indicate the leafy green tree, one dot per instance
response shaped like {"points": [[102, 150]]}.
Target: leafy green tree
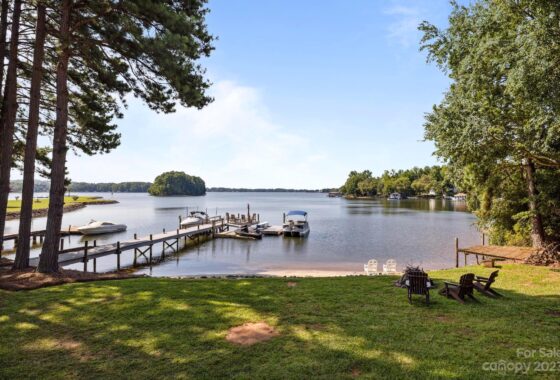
{"points": [[177, 183], [501, 113]]}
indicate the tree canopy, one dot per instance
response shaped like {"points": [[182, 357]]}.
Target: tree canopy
{"points": [[415, 181], [498, 125], [177, 183]]}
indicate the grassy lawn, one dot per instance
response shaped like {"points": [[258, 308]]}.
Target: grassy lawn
{"points": [[330, 328], [43, 203]]}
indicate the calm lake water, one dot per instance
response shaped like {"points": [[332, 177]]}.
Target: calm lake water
{"points": [[344, 233]]}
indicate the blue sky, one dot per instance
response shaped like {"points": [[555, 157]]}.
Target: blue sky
{"points": [[305, 91]]}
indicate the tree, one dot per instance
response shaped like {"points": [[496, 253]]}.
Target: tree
{"points": [[8, 118], [22, 255], [150, 49], [501, 113], [177, 183]]}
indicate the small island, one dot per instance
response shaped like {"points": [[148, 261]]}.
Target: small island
{"points": [[177, 183]]}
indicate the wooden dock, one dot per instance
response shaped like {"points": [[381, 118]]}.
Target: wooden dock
{"points": [[142, 246], [516, 254], [273, 231]]}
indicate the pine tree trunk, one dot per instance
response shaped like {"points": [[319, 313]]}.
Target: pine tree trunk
{"points": [[22, 254], [8, 119], [537, 229], [48, 260], [3, 29]]}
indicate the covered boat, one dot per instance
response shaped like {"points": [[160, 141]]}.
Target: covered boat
{"points": [[295, 224], [98, 228], [195, 218]]}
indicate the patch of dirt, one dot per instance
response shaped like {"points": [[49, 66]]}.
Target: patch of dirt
{"points": [[4, 262], [291, 284], [554, 313], [443, 318], [355, 372], [28, 279], [251, 333]]}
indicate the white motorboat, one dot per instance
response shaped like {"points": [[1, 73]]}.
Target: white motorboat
{"points": [[395, 197], [97, 228], [195, 218], [296, 224]]}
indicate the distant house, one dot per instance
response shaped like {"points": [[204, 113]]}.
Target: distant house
{"points": [[432, 193]]}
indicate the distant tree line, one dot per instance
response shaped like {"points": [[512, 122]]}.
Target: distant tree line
{"points": [[142, 187], [416, 181], [121, 187], [262, 190]]}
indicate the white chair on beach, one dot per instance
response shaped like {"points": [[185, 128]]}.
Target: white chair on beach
{"points": [[390, 267], [371, 267]]}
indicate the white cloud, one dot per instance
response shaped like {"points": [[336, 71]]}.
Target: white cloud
{"points": [[403, 28], [231, 142]]}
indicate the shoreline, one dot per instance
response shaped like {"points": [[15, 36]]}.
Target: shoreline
{"points": [[40, 213]]}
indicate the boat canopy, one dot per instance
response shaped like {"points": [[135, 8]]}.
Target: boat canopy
{"points": [[297, 212]]}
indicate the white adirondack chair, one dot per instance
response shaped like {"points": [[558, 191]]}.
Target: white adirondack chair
{"points": [[371, 267], [390, 267]]}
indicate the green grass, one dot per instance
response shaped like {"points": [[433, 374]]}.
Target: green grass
{"points": [[330, 328], [43, 203]]}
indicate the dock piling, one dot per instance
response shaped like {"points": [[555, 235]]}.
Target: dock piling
{"points": [[456, 252], [85, 256], [118, 256]]}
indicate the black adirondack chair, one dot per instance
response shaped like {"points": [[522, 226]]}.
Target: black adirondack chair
{"points": [[483, 285], [461, 290], [418, 283]]}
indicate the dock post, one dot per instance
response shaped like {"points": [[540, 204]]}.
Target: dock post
{"points": [[15, 242], [85, 256], [164, 230], [213, 228], [34, 239], [95, 243], [135, 236], [456, 252], [483, 238], [180, 220], [177, 241], [62, 244], [150, 249], [118, 256], [465, 259], [134, 261], [94, 265], [41, 238]]}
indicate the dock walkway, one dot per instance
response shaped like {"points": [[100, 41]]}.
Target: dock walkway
{"points": [[141, 245], [494, 251]]}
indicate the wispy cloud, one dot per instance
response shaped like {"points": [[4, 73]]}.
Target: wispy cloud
{"points": [[403, 27]]}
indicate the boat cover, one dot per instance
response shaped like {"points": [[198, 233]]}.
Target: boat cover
{"points": [[297, 212]]}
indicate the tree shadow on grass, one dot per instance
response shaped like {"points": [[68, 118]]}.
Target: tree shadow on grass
{"points": [[347, 327]]}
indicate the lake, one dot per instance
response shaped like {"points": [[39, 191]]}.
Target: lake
{"points": [[344, 233]]}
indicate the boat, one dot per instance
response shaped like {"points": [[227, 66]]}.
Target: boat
{"points": [[295, 224], [395, 197], [195, 218], [249, 232], [98, 228]]}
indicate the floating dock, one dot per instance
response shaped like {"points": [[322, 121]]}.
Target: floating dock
{"points": [[273, 231]]}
